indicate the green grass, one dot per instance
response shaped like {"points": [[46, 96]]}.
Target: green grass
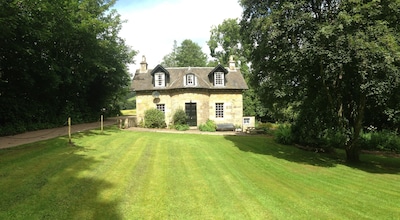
{"points": [[128, 112], [146, 175]]}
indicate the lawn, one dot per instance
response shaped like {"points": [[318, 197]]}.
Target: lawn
{"points": [[148, 175], [128, 112]]}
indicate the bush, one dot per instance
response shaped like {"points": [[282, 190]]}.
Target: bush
{"points": [[181, 127], [265, 127], [208, 126], [283, 134], [154, 118], [334, 139], [179, 117], [380, 140]]}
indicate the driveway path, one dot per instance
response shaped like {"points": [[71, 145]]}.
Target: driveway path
{"points": [[33, 136]]}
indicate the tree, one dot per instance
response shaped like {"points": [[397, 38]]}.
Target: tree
{"points": [[59, 59], [336, 58], [190, 54], [169, 60], [225, 41]]}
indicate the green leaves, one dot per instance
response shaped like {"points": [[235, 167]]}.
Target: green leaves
{"points": [[336, 57], [60, 55]]}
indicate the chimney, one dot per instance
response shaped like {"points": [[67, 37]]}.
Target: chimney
{"points": [[143, 65], [232, 66]]}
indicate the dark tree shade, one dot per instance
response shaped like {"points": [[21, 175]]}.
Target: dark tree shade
{"points": [[59, 59], [339, 59]]}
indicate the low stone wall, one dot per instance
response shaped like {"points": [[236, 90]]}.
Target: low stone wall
{"points": [[127, 122]]}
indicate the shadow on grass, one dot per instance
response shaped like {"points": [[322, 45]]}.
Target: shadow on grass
{"points": [[53, 180], [267, 146]]}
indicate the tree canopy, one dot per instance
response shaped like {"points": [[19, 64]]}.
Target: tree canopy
{"points": [[59, 59], [339, 60], [225, 41], [187, 54]]}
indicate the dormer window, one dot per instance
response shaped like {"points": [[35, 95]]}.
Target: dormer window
{"points": [[190, 80], [219, 79], [159, 79]]}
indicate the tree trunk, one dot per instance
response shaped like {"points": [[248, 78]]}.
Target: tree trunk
{"points": [[353, 149], [352, 153]]}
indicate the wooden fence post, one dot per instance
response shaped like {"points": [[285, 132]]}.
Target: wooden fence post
{"points": [[69, 130]]}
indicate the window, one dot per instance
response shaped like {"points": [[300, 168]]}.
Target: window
{"points": [[190, 80], [219, 110], [246, 121], [161, 107], [218, 79], [159, 79]]}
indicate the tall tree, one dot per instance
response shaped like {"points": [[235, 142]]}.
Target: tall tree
{"points": [[59, 59], [336, 57], [189, 54], [225, 41], [169, 60]]}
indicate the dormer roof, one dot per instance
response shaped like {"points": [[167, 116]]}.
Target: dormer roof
{"points": [[159, 68], [175, 78]]}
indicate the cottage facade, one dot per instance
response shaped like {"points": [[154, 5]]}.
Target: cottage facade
{"points": [[203, 92]]}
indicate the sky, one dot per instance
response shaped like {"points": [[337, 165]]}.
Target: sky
{"points": [[152, 25]]}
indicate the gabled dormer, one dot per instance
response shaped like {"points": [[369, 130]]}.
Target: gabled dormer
{"points": [[160, 76], [190, 80], [217, 76]]}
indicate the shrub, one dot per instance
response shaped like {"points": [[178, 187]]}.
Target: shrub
{"points": [[154, 118], [334, 138], [181, 127], [380, 140], [179, 117], [265, 127], [283, 134], [208, 126]]}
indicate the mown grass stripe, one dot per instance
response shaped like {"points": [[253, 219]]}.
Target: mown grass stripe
{"points": [[136, 175]]}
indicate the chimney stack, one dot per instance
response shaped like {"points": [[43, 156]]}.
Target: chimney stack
{"points": [[232, 64], [143, 65]]}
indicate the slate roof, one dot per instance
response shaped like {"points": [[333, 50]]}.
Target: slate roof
{"points": [[175, 78]]}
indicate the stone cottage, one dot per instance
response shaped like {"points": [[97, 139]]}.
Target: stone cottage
{"points": [[203, 92]]}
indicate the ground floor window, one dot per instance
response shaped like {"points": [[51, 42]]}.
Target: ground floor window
{"points": [[246, 121], [219, 110], [161, 107]]}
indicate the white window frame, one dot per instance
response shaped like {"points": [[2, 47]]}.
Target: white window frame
{"points": [[161, 107], [190, 80], [219, 79], [219, 110], [159, 79], [246, 121]]}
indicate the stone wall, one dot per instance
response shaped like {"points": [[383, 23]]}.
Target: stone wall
{"points": [[205, 102]]}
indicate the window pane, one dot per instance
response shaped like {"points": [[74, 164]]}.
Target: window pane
{"points": [[190, 80], [161, 107], [218, 79], [219, 110], [159, 79]]}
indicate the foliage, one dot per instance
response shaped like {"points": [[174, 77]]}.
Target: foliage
{"points": [[169, 60], [338, 59], [59, 59], [283, 134], [129, 101], [181, 127], [187, 54], [380, 140], [179, 117], [154, 118], [265, 127], [208, 126], [225, 41]]}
